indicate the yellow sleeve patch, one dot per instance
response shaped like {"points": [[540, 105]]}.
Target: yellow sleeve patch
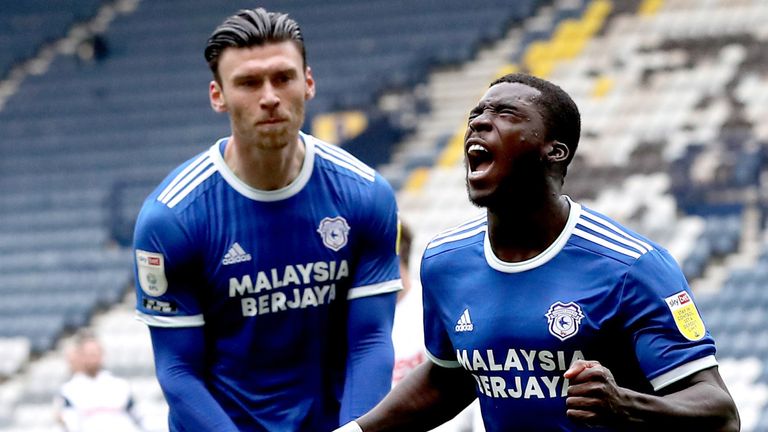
{"points": [[686, 316]]}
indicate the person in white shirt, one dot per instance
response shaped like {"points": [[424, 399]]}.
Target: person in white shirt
{"points": [[94, 400]]}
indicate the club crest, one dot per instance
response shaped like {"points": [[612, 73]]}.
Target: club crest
{"points": [[334, 232], [564, 319]]}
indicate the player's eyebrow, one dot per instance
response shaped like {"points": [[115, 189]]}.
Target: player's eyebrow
{"points": [[264, 73], [498, 105]]}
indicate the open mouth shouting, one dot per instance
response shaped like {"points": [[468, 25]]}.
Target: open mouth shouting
{"points": [[479, 158]]}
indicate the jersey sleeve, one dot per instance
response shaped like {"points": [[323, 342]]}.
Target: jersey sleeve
{"points": [[670, 339], [370, 357], [439, 348], [377, 270], [165, 269]]}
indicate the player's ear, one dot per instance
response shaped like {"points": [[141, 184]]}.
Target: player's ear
{"points": [[558, 152], [216, 95], [309, 87]]}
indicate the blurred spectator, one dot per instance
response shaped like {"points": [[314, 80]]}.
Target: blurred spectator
{"points": [[93, 400], [407, 332]]}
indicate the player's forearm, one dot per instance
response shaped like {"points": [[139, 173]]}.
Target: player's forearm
{"points": [[369, 379], [370, 357], [427, 398], [178, 363], [192, 402], [702, 407]]}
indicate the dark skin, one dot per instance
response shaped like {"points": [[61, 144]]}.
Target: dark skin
{"points": [[517, 174], [699, 402]]}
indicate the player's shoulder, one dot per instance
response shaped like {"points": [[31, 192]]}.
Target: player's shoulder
{"points": [[468, 233], [186, 182], [340, 162], [606, 237], [174, 195]]}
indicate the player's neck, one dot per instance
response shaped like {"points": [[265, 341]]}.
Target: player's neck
{"points": [[524, 232], [265, 168]]}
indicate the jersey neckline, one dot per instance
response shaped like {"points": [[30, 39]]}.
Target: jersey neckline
{"points": [[539, 260], [217, 155]]}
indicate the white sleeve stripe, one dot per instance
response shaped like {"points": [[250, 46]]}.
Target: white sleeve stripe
{"points": [[683, 371], [467, 225], [349, 427], [335, 151], [347, 165], [379, 288], [615, 228], [181, 176], [613, 236], [452, 364], [461, 236], [190, 177], [190, 187], [170, 321], [595, 239]]}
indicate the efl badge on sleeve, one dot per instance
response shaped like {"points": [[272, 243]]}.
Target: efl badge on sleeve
{"points": [[686, 316], [334, 232], [564, 319], [151, 267]]}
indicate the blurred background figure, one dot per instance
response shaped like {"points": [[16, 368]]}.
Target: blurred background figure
{"points": [[94, 400], [408, 333]]}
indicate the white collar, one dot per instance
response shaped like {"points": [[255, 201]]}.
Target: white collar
{"points": [[540, 259], [292, 189]]}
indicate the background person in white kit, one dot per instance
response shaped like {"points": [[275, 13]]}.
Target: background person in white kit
{"points": [[408, 336], [94, 400]]}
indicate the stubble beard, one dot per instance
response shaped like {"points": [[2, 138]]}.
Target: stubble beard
{"points": [[524, 185]]}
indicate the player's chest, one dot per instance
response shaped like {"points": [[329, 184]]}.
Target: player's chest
{"points": [[282, 244], [535, 310]]}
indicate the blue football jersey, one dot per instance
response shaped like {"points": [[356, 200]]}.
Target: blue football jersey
{"points": [[269, 275], [599, 292]]}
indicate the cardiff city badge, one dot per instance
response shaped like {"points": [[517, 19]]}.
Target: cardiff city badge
{"points": [[564, 319], [686, 316], [334, 232]]}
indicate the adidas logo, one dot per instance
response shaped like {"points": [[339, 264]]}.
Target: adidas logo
{"points": [[235, 255], [464, 323]]}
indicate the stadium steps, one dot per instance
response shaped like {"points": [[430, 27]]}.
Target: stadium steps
{"points": [[747, 255], [452, 92]]}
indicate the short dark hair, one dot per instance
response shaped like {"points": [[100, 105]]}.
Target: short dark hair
{"points": [[561, 115], [252, 27]]}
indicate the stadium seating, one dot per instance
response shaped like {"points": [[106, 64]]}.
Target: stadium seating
{"points": [[673, 97], [26, 26], [86, 138]]}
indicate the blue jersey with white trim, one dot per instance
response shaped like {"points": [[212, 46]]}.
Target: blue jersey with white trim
{"points": [[599, 292], [269, 275]]}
